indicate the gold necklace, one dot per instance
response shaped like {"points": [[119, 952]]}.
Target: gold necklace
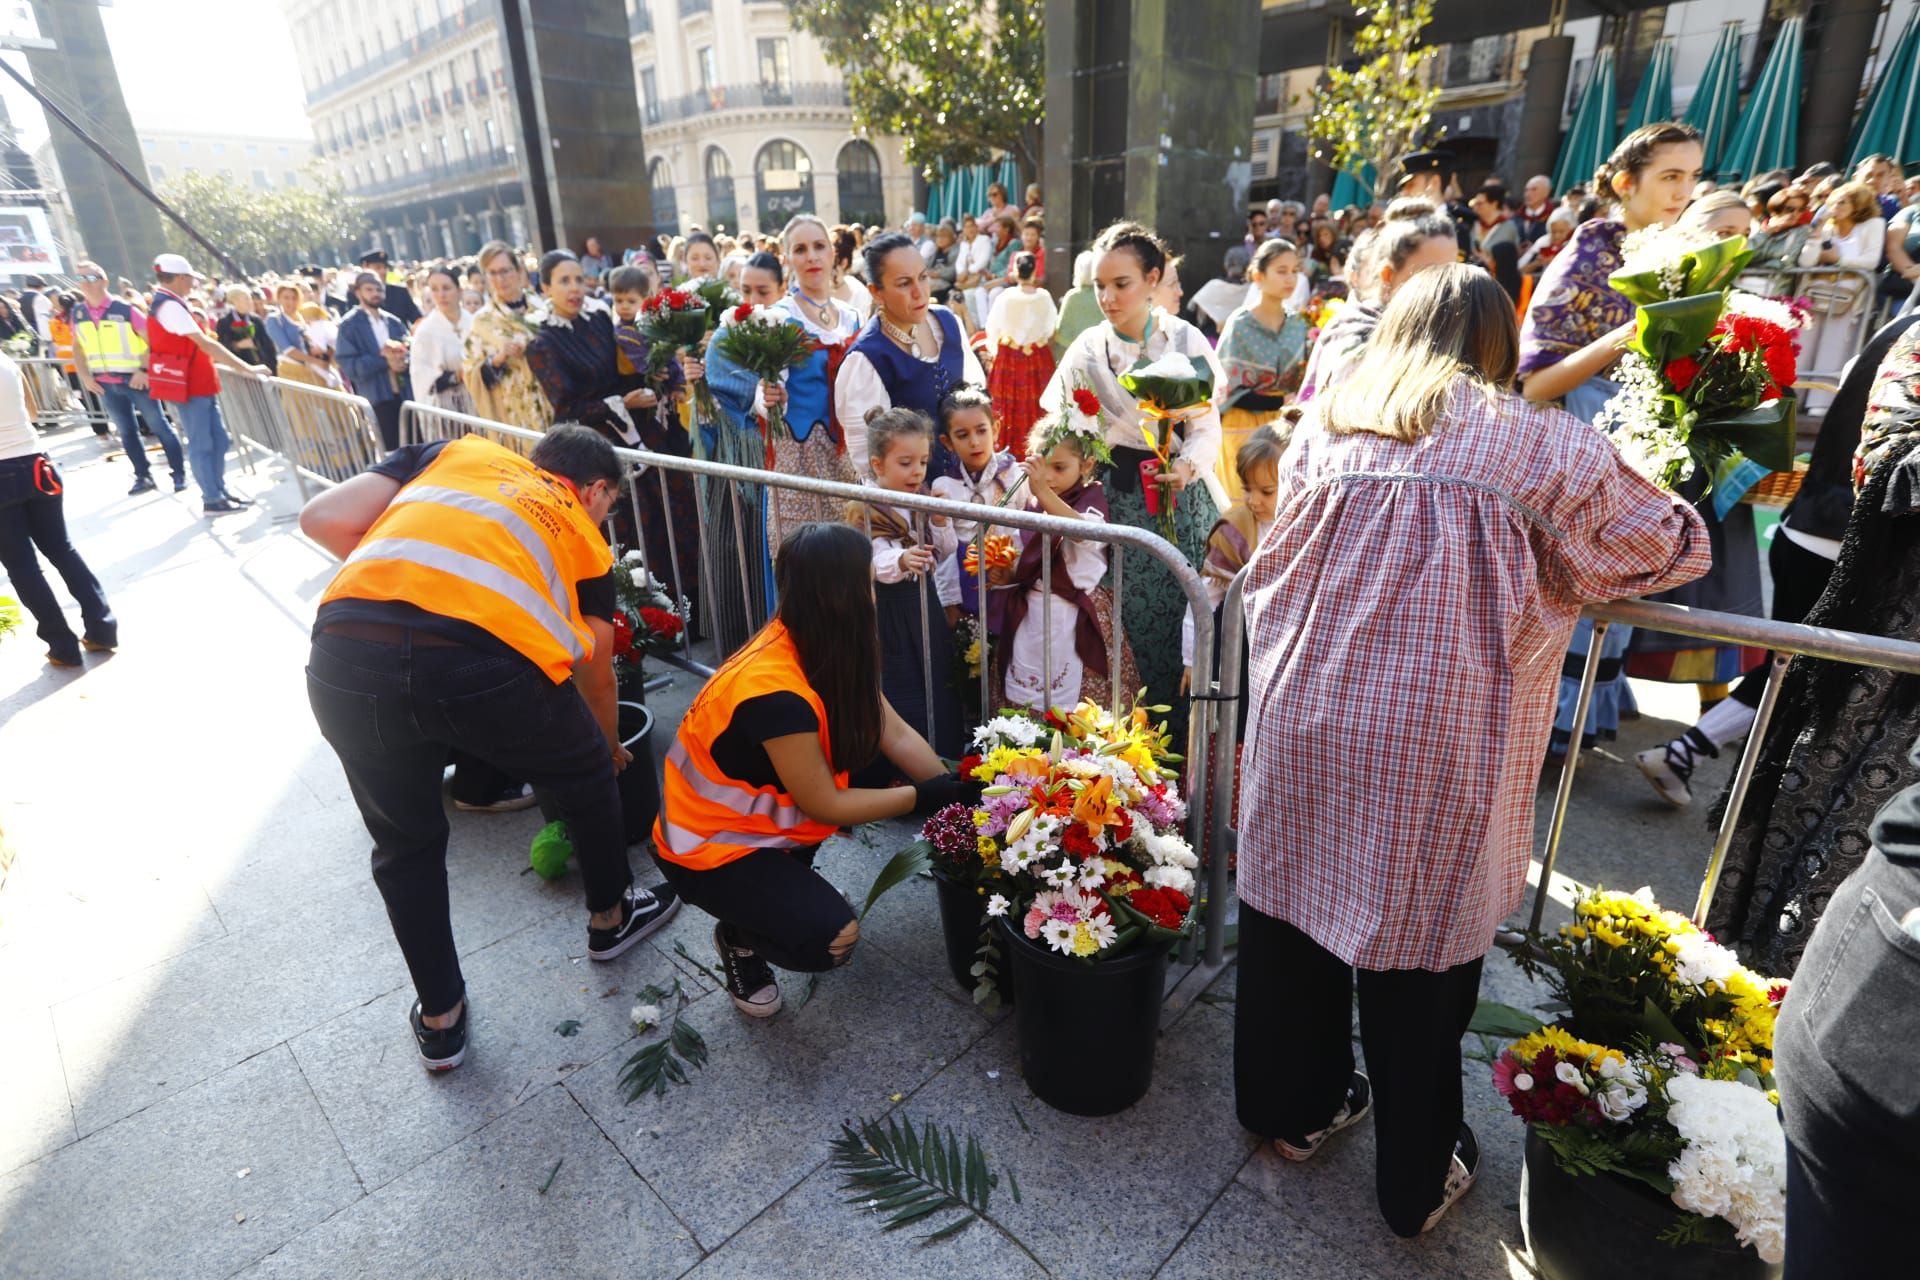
{"points": [[823, 313], [908, 338]]}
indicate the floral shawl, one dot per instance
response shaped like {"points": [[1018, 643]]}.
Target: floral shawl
{"points": [[1893, 408], [1259, 360], [1574, 304], [511, 393]]}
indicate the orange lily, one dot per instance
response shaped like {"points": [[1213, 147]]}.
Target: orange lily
{"points": [[1094, 806]]}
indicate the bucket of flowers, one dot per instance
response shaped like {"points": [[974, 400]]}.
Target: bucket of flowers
{"points": [[1075, 856], [1654, 1146], [1706, 384], [647, 620], [1168, 391]]}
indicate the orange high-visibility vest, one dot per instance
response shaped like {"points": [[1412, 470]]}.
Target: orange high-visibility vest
{"points": [[485, 536], [708, 819]]}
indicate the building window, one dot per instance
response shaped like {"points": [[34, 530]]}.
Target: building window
{"points": [[159, 172], [185, 147], [446, 152], [723, 210], [783, 182], [666, 206], [650, 94], [289, 180], [253, 151], [493, 136], [466, 143], [260, 179], [862, 198], [709, 69], [776, 70]]}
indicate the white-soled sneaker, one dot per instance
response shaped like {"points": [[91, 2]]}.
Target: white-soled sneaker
{"points": [[1461, 1172], [1670, 767], [646, 911], [749, 978], [1353, 1110]]}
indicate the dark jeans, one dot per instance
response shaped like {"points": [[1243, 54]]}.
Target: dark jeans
{"points": [[387, 414], [122, 402], [1799, 577], [773, 901], [40, 521], [393, 711], [1849, 1093], [1293, 1055]]}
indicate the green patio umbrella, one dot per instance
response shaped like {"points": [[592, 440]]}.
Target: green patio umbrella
{"points": [[1715, 109], [1891, 123], [1653, 100], [1769, 127], [1590, 139]]}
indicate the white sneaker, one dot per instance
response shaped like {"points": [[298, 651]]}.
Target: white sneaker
{"points": [[1461, 1173], [1353, 1110]]}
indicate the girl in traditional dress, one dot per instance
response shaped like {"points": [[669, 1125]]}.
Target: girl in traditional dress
{"points": [[495, 369], [1073, 625], [1133, 334], [1263, 348], [812, 445], [438, 349], [986, 475], [916, 616], [909, 356], [1413, 237], [1019, 328]]}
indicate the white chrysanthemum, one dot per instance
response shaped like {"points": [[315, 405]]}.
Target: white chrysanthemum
{"points": [[997, 905], [1058, 934], [1101, 927], [1174, 364], [1008, 731], [1059, 877], [1701, 960], [1093, 874], [1176, 878], [1660, 249], [645, 1015], [1740, 302], [1734, 1164], [1169, 850]]}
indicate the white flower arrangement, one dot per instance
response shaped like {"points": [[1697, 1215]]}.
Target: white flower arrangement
{"points": [[1735, 1162], [1659, 249], [1008, 731], [1700, 960], [1174, 364]]}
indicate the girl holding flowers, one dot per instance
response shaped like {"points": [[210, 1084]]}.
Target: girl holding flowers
{"points": [[1263, 348], [1128, 264]]}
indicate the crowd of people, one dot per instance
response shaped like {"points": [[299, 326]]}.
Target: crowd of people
{"points": [[1399, 450]]}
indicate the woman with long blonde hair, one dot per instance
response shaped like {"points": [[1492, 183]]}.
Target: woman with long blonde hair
{"points": [[1435, 537]]}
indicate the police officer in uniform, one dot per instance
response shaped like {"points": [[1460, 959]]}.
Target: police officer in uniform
{"points": [[1423, 175], [473, 611]]}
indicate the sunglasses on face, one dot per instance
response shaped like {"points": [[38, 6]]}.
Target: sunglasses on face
{"points": [[91, 279]]}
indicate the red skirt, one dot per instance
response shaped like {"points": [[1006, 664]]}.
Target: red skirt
{"points": [[1015, 383]]}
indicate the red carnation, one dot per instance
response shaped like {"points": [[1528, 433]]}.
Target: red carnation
{"points": [[661, 622], [742, 311], [968, 764], [1123, 830], [1165, 907], [622, 633], [1782, 367], [1682, 372], [1086, 401], [1077, 842]]}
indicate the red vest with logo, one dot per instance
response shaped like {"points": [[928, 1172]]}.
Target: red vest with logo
{"points": [[178, 370]]}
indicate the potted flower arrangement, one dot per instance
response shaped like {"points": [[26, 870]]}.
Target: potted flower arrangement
{"points": [[1075, 856], [1168, 391], [647, 620], [1706, 383], [1651, 1105]]}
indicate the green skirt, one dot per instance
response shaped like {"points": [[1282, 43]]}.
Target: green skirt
{"points": [[1151, 601]]}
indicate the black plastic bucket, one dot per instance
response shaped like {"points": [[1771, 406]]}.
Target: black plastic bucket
{"points": [[962, 912], [1087, 1031], [639, 787]]}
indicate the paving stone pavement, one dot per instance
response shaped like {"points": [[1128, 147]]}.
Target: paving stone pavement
{"points": [[207, 1069]]}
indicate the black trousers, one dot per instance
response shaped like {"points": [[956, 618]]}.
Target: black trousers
{"points": [[1849, 1094], [30, 519], [1293, 1055], [771, 900], [386, 413], [392, 711]]}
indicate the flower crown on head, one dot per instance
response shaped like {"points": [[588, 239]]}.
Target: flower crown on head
{"points": [[1080, 419]]}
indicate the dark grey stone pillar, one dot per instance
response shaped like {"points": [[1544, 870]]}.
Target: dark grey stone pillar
{"points": [[118, 227], [1835, 72], [1538, 144], [571, 63], [1149, 113]]}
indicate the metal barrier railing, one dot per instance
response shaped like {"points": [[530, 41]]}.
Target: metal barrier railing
{"points": [[53, 400], [324, 436], [1843, 296], [423, 422]]}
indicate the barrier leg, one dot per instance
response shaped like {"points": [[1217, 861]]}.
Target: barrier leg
{"points": [[1742, 779], [1563, 794]]}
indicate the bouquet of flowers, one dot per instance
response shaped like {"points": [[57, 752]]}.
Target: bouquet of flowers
{"points": [[1076, 837], [1705, 383], [1662, 1071], [766, 343], [1002, 552], [672, 321], [1168, 391], [646, 619]]}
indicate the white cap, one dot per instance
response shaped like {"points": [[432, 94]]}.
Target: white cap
{"points": [[172, 264]]}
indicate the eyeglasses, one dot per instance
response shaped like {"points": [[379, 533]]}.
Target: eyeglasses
{"points": [[91, 279]]}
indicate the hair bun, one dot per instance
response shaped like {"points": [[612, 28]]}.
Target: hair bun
{"points": [[873, 413]]}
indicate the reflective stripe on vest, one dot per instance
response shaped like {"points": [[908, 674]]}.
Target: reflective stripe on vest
{"points": [[485, 537], [708, 819], [110, 343]]}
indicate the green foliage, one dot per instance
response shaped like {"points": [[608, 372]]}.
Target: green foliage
{"points": [[1697, 1228], [1374, 109], [986, 970], [903, 866], [10, 615], [665, 1061], [550, 851], [1491, 1018], [958, 82], [261, 229], [911, 1177], [1640, 1154]]}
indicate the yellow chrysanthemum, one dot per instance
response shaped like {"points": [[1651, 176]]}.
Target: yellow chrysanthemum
{"points": [[989, 851], [981, 817], [1083, 941], [1565, 1046]]}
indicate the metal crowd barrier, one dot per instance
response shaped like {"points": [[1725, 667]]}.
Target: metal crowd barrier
{"points": [[740, 486], [1835, 296], [53, 401], [324, 436]]}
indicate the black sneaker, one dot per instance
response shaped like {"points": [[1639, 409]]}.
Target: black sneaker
{"points": [[236, 499], [646, 912], [749, 978], [142, 485], [220, 507], [441, 1050], [1353, 1109], [179, 484], [1461, 1171]]}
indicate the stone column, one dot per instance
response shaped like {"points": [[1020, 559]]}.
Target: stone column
{"points": [[1149, 117], [1548, 64], [1836, 72]]}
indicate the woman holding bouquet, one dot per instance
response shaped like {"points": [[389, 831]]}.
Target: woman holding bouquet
{"points": [[1574, 333], [811, 444], [495, 369], [1419, 497], [1128, 264]]}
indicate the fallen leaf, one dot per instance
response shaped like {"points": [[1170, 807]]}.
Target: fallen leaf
{"points": [[896, 1097], [571, 1027]]}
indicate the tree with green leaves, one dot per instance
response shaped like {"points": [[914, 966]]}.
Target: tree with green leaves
{"points": [[264, 229], [1375, 106], [959, 82]]}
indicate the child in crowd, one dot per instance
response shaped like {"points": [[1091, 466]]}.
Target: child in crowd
{"points": [[916, 626], [986, 474], [660, 429], [1020, 329], [1074, 628]]}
